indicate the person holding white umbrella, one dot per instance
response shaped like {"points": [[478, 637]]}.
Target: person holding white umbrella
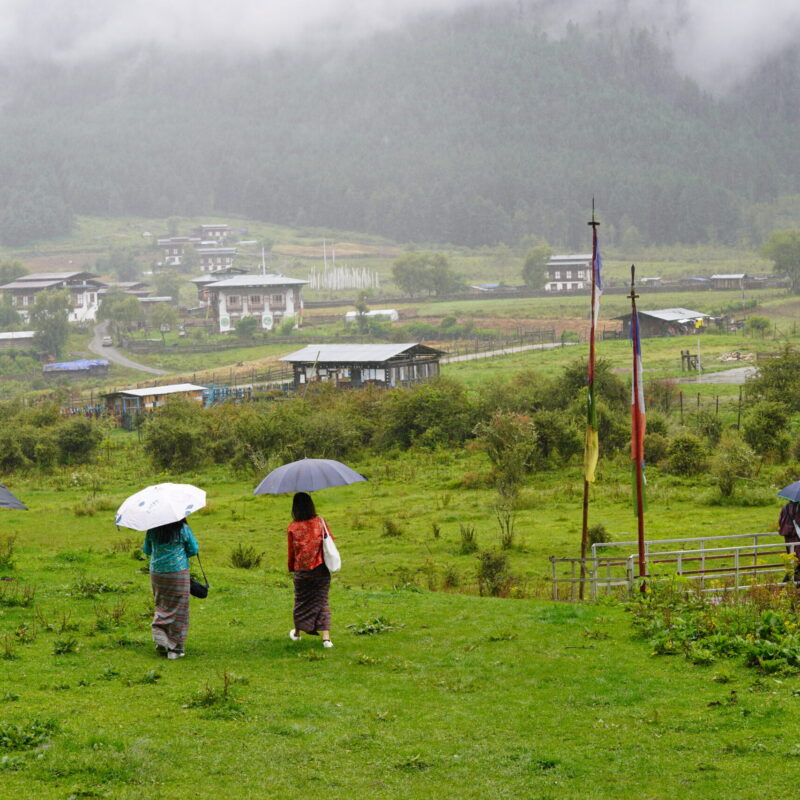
{"points": [[161, 510]]}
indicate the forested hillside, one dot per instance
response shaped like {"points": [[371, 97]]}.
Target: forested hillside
{"points": [[473, 130]]}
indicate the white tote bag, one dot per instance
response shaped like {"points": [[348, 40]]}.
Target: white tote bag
{"points": [[330, 553]]}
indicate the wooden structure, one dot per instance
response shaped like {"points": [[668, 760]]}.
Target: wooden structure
{"points": [[17, 340], [666, 322], [736, 280], [355, 365], [133, 402]]}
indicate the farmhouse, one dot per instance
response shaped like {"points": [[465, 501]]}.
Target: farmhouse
{"points": [[173, 249], [139, 401], [364, 364], [569, 273], [666, 322], [270, 298], [217, 232], [216, 259], [83, 287], [735, 280]]}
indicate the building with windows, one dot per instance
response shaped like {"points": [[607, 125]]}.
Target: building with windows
{"points": [[83, 287], [270, 298], [216, 259], [569, 273], [353, 365]]}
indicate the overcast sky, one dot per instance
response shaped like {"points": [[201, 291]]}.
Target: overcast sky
{"points": [[716, 41]]}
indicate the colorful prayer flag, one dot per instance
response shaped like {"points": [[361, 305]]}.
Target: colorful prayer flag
{"points": [[592, 445]]}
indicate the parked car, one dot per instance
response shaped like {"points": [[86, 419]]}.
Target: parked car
{"points": [[107, 341]]}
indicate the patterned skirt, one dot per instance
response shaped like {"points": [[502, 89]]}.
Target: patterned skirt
{"points": [[171, 617], [311, 610]]}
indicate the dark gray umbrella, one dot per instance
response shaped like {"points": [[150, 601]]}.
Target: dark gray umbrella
{"points": [[7, 500], [307, 475]]}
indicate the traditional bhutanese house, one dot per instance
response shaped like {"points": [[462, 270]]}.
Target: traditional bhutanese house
{"points": [[666, 322], [83, 367], [139, 401], [217, 232], [204, 280], [269, 298], [135, 288], [735, 280], [216, 259], [17, 340], [83, 287], [364, 364], [569, 273], [172, 249]]}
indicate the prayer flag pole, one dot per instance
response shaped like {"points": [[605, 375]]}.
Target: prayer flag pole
{"points": [[591, 447], [637, 423]]}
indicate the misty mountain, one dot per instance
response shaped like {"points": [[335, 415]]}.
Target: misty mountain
{"points": [[472, 129]]}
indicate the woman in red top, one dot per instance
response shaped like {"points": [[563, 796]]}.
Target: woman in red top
{"points": [[312, 579]]}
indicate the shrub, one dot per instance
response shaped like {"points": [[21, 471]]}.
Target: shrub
{"points": [[245, 557], [778, 379], [598, 534], [175, 437], [77, 440], [764, 428], [656, 447], [733, 460], [758, 325], [709, 425], [493, 575], [661, 394], [469, 544], [686, 455], [7, 551]]}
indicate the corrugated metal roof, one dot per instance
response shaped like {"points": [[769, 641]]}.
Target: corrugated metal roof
{"points": [[735, 276], [256, 280], [365, 353], [675, 314], [9, 335], [159, 390]]}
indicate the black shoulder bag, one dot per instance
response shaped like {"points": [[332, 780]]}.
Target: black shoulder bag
{"points": [[197, 589]]}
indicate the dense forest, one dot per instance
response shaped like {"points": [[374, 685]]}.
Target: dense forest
{"points": [[473, 129]]}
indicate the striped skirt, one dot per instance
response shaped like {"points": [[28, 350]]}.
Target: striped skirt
{"points": [[311, 610], [171, 617]]}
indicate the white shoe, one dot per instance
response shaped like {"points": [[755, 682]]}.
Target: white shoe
{"points": [[327, 643], [173, 654], [294, 635]]}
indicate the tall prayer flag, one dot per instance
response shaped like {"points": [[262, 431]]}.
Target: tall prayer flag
{"points": [[592, 445], [638, 418]]}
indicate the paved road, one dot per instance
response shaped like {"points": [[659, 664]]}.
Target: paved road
{"points": [[735, 375], [504, 352], [112, 354]]}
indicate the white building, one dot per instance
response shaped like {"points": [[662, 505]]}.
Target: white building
{"points": [[83, 287], [569, 273], [271, 298]]}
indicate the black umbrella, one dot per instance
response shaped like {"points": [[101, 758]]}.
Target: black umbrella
{"points": [[7, 500], [307, 475]]}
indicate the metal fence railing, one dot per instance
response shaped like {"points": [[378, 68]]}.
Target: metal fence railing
{"points": [[710, 564]]}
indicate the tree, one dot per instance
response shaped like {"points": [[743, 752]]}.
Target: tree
{"points": [[121, 261], [10, 320], [11, 268], [246, 327], [163, 317], [362, 308], [783, 249], [50, 320], [414, 273], [778, 379], [168, 285], [534, 270], [122, 310]]}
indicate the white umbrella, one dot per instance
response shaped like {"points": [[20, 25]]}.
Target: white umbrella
{"points": [[159, 505]]}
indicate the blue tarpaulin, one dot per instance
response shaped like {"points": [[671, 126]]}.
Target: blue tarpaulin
{"points": [[76, 366]]}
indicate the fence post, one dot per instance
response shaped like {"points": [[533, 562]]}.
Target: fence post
{"points": [[555, 577]]}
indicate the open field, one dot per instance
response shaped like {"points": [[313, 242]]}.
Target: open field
{"points": [[455, 696]]}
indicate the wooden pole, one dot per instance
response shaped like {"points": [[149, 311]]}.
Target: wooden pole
{"points": [[636, 434], [585, 520]]}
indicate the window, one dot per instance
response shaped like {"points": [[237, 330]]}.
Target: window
{"points": [[276, 300], [255, 300], [234, 300], [569, 275], [557, 275]]}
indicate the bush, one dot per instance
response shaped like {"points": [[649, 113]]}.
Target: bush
{"points": [[598, 534], [245, 557], [764, 428], [494, 578], [661, 394], [656, 448], [686, 455], [175, 437], [709, 425], [469, 544], [77, 440], [733, 460]]}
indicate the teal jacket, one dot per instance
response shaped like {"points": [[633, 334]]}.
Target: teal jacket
{"points": [[174, 555]]}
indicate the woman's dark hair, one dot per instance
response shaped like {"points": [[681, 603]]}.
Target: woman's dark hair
{"points": [[164, 534], [303, 507]]}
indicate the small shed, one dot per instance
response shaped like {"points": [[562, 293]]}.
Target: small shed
{"points": [[365, 364], [81, 368], [17, 340], [729, 281], [148, 398], [387, 314], [666, 322]]}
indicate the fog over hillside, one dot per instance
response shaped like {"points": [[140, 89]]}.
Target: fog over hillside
{"points": [[465, 121]]}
